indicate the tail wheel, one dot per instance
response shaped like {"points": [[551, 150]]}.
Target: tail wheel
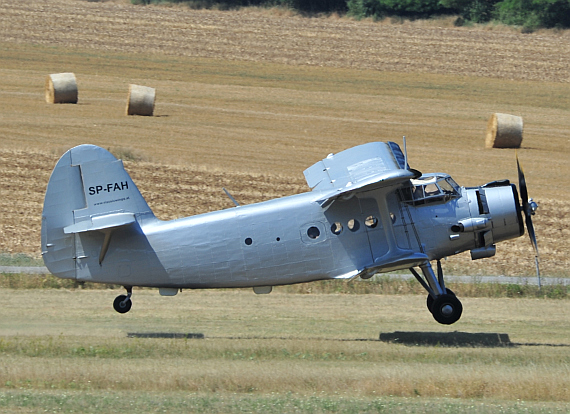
{"points": [[446, 309], [122, 304]]}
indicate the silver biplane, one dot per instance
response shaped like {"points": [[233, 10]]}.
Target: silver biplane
{"points": [[368, 212]]}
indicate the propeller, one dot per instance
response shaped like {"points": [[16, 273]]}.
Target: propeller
{"points": [[529, 208]]}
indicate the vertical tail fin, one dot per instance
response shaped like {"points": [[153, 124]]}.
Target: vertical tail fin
{"points": [[88, 191]]}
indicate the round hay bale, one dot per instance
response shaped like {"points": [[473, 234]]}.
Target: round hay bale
{"points": [[61, 88], [140, 100], [504, 131]]}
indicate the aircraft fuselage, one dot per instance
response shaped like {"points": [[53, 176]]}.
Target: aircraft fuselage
{"points": [[287, 240], [368, 212]]}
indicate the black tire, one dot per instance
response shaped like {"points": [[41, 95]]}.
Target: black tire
{"points": [[446, 309], [430, 299], [122, 304]]}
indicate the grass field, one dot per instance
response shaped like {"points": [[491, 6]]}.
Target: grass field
{"points": [[313, 353], [247, 100]]}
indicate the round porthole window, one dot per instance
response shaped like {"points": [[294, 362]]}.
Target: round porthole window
{"points": [[353, 225], [248, 241], [313, 232], [336, 228], [371, 222]]}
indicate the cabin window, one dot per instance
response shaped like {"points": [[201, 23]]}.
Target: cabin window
{"points": [[336, 228], [248, 241], [371, 222], [313, 232], [353, 225]]}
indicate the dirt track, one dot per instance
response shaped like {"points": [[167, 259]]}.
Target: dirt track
{"points": [[281, 38]]}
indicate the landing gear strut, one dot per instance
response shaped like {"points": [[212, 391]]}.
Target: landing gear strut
{"points": [[441, 302], [122, 303]]}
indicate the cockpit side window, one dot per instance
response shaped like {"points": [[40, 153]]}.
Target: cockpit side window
{"points": [[446, 187], [429, 189]]}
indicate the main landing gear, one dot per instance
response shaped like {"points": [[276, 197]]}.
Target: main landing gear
{"points": [[123, 303], [441, 302]]}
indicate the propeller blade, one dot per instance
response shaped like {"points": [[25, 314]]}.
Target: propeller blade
{"points": [[532, 235], [528, 212], [522, 187]]}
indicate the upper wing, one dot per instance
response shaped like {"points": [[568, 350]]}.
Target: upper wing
{"points": [[362, 168]]}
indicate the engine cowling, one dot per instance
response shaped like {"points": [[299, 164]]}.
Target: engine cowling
{"points": [[495, 216], [505, 211]]}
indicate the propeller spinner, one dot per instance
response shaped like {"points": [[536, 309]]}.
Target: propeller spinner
{"points": [[529, 208]]}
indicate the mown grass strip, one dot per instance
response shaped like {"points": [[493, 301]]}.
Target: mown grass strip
{"points": [[144, 402], [282, 349]]}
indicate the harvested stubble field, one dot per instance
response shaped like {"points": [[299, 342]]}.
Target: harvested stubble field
{"points": [[246, 100], [280, 37], [235, 110]]}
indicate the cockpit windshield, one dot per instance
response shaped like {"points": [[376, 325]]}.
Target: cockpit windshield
{"points": [[431, 188]]}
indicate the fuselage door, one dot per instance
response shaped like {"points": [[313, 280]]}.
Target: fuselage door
{"points": [[372, 224], [349, 238]]}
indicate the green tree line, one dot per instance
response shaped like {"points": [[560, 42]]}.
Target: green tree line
{"points": [[530, 14]]}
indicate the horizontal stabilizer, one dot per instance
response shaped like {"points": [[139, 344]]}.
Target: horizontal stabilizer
{"points": [[109, 221]]}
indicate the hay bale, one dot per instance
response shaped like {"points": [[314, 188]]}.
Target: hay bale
{"points": [[61, 88], [140, 100], [504, 131]]}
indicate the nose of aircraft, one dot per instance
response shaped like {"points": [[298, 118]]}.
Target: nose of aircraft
{"points": [[505, 211]]}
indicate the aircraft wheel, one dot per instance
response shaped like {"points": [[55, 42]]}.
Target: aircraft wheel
{"points": [[446, 309], [430, 299], [122, 304]]}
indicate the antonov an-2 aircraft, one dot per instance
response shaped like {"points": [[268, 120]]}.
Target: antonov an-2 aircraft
{"points": [[367, 213]]}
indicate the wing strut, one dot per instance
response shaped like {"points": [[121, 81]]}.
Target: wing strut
{"points": [[422, 282], [105, 224], [231, 197], [105, 245]]}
